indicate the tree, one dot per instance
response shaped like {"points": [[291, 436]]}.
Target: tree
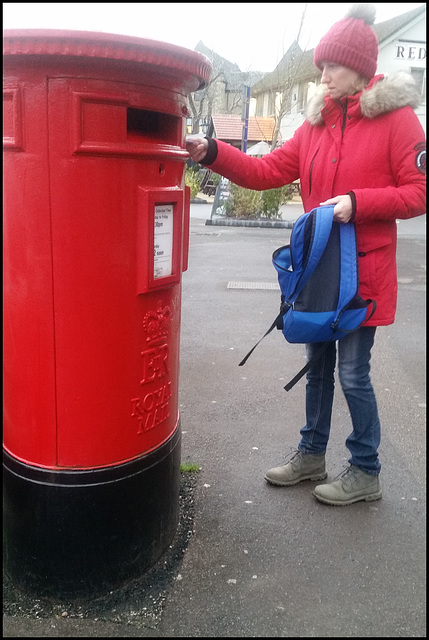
{"points": [[287, 86], [224, 92], [201, 104], [287, 77]]}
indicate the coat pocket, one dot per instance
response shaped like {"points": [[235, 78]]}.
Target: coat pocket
{"points": [[376, 267]]}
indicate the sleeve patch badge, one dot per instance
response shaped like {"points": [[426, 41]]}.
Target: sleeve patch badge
{"points": [[420, 159]]}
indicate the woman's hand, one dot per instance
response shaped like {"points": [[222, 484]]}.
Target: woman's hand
{"points": [[197, 147], [343, 207]]}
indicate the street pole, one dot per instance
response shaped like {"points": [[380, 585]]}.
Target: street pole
{"points": [[245, 118]]}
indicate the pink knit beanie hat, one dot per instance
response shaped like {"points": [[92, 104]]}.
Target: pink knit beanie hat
{"points": [[351, 42]]}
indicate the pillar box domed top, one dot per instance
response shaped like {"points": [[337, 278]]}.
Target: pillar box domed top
{"points": [[190, 69]]}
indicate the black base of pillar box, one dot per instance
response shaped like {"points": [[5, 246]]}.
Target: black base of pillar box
{"points": [[79, 534]]}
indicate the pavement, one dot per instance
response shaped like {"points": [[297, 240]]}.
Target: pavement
{"points": [[264, 561]]}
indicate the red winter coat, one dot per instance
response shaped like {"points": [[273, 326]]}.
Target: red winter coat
{"points": [[372, 144]]}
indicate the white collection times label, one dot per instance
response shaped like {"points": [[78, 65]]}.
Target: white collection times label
{"points": [[163, 244]]}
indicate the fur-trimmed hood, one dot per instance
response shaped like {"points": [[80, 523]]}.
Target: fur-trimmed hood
{"points": [[385, 93]]}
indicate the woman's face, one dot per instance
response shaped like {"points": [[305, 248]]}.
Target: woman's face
{"points": [[341, 81]]}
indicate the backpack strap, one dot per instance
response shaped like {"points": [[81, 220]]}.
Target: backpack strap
{"points": [[275, 324], [349, 259], [322, 225], [304, 370], [368, 302]]}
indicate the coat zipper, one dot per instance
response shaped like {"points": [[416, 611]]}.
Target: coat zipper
{"points": [[344, 116], [311, 172]]}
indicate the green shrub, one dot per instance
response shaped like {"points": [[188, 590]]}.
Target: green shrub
{"points": [[242, 203], [251, 205], [193, 181], [215, 178], [273, 199]]}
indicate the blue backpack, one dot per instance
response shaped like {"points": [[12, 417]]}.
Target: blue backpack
{"points": [[318, 278]]}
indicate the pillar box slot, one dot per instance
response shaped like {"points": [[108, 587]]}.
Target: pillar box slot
{"points": [[152, 126]]}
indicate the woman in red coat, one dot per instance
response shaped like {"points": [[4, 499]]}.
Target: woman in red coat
{"points": [[362, 149]]}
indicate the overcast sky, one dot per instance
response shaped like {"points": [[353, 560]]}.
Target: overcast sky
{"points": [[255, 36]]}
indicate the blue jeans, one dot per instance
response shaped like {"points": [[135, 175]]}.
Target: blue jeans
{"points": [[354, 354]]}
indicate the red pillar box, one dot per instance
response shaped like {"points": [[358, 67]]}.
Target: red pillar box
{"points": [[96, 224]]}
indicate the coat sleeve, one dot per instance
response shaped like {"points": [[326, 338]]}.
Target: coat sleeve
{"points": [[407, 197], [276, 169]]}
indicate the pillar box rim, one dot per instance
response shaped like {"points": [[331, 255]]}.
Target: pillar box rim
{"points": [[108, 46]]}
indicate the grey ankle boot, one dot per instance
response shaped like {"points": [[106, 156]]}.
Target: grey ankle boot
{"points": [[300, 466], [352, 485]]}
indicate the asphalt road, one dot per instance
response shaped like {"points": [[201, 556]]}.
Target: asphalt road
{"points": [[265, 561]]}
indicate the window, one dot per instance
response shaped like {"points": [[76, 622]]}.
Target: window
{"points": [[302, 95], [306, 90], [271, 104], [259, 110], [419, 76]]}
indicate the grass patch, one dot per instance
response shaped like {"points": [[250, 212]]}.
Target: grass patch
{"points": [[189, 467]]}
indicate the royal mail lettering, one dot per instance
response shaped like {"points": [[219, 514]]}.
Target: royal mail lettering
{"points": [[152, 409]]}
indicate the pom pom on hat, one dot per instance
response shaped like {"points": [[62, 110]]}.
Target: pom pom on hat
{"points": [[365, 12], [351, 42]]}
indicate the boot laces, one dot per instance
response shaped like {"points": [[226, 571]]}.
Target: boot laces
{"points": [[294, 456], [349, 475]]}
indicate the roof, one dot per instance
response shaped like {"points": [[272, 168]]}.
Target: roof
{"points": [[294, 64], [217, 60], [299, 64], [385, 30], [234, 78], [230, 127]]}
